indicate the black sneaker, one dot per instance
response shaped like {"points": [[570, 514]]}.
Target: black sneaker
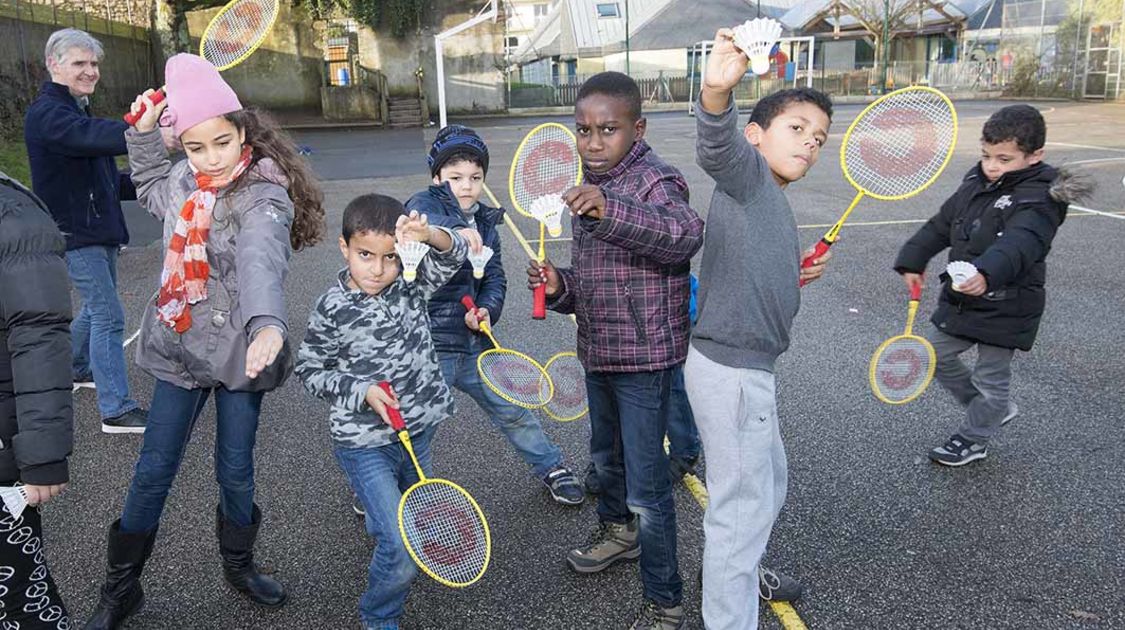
{"points": [[591, 482], [653, 616], [132, 421], [357, 506], [681, 466], [563, 486], [958, 451], [777, 587], [84, 380], [1013, 411], [609, 543]]}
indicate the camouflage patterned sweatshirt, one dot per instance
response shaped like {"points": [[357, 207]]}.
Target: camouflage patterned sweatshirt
{"points": [[355, 340]]}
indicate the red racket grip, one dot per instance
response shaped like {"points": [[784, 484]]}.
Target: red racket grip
{"points": [[468, 303], [155, 97], [539, 302], [397, 423], [916, 292], [820, 250]]}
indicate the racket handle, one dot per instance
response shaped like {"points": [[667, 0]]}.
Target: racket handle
{"points": [[397, 423], [156, 97], [468, 303], [916, 292], [539, 302], [820, 250]]}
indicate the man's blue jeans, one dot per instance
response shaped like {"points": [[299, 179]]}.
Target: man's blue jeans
{"points": [[629, 417], [170, 423], [519, 425], [97, 331], [379, 476]]}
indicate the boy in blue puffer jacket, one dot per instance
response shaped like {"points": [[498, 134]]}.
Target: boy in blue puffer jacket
{"points": [[458, 163]]}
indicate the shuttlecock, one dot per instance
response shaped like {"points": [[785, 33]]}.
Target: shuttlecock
{"points": [[756, 38], [479, 260], [15, 499], [959, 272], [549, 210], [411, 254]]}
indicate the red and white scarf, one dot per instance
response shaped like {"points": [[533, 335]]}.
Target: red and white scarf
{"points": [[183, 281]]}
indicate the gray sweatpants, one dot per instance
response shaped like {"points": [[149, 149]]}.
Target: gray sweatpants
{"points": [[982, 391], [736, 412]]}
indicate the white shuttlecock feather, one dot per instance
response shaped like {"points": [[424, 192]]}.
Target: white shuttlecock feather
{"points": [[411, 254], [960, 271], [479, 260], [549, 210], [15, 499], [756, 38]]}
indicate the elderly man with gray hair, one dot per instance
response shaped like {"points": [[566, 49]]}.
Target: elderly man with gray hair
{"points": [[73, 171]]}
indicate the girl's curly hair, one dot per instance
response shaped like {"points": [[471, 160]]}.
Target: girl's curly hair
{"points": [[268, 140]]}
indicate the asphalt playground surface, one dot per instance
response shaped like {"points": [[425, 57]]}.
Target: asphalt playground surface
{"points": [[1030, 537]]}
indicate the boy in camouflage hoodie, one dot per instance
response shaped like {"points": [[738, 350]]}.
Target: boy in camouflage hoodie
{"points": [[370, 327]]}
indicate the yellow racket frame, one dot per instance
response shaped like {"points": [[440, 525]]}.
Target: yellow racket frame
{"points": [[872, 377], [404, 437], [253, 47], [834, 233], [542, 254], [498, 349], [546, 406]]}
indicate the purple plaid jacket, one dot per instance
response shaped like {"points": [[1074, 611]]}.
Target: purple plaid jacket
{"points": [[628, 284]]}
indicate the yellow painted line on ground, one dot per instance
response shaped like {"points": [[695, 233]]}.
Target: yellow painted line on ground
{"points": [[788, 617]]}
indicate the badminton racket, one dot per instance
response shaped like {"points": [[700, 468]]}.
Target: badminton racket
{"points": [[546, 165], [894, 149], [903, 366], [569, 380], [514, 376], [442, 526], [235, 32]]}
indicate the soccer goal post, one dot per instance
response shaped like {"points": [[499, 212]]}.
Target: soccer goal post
{"points": [[488, 12]]}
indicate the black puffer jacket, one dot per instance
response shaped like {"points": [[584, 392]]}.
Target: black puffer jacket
{"points": [[1005, 229], [36, 418]]}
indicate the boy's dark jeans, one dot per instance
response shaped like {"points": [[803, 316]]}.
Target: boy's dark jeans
{"points": [[629, 417]]}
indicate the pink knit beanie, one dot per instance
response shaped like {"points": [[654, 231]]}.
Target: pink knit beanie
{"points": [[196, 93]]}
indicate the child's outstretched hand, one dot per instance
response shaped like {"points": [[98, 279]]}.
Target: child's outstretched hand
{"points": [[726, 64], [151, 117], [816, 270], [543, 273], [379, 400], [263, 350], [975, 286], [474, 318], [586, 200], [472, 237], [415, 227]]}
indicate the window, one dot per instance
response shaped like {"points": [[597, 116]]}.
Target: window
{"points": [[512, 43], [542, 9], [608, 10]]}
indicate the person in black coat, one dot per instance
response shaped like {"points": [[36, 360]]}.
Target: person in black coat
{"points": [[1001, 221], [36, 421], [74, 172], [458, 161]]}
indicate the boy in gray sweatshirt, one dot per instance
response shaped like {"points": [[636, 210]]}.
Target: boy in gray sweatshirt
{"points": [[748, 297]]}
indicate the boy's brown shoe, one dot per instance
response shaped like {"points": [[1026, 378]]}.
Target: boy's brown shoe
{"points": [[609, 543]]}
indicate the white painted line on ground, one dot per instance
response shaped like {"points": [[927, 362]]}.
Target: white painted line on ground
{"points": [[1085, 146], [1116, 159], [1100, 213]]}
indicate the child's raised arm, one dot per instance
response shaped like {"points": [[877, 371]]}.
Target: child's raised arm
{"points": [[447, 253], [148, 159], [720, 148]]}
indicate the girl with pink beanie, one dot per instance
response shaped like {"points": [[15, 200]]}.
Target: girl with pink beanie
{"points": [[233, 214]]}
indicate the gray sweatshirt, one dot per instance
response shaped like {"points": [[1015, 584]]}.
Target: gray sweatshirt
{"points": [[748, 293]]}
